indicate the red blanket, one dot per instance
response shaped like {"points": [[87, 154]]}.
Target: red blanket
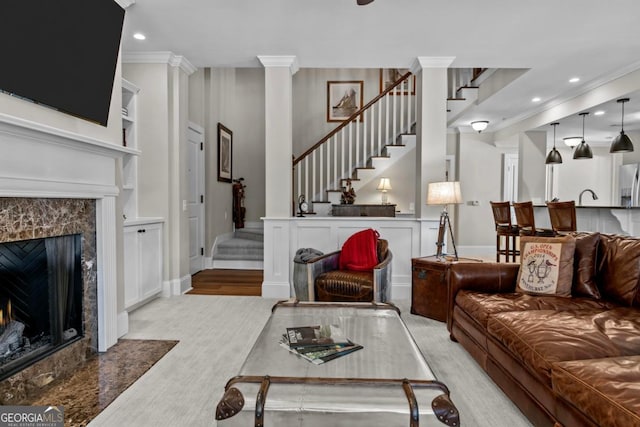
{"points": [[359, 252]]}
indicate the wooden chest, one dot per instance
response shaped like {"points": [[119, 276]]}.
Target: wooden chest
{"points": [[430, 286]]}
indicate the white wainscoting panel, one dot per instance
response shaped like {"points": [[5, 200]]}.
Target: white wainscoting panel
{"points": [[408, 238]]}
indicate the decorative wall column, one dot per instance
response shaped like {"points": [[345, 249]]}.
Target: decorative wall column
{"points": [[431, 132], [107, 272], [278, 76]]}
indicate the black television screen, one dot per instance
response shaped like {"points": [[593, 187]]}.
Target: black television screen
{"points": [[61, 53]]}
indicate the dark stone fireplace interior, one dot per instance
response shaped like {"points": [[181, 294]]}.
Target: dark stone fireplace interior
{"points": [[40, 299], [24, 219]]}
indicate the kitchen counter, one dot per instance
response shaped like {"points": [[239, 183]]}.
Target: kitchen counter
{"points": [[605, 219]]}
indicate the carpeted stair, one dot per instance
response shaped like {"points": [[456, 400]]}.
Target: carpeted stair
{"points": [[242, 249]]}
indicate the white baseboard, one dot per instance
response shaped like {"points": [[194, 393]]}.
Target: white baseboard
{"points": [[237, 264], [122, 324], [176, 287], [184, 286], [208, 263], [400, 291], [276, 290]]}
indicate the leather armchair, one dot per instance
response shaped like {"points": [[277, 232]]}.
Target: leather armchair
{"points": [[327, 283]]}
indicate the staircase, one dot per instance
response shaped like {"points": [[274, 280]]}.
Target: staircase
{"points": [[353, 150], [243, 249], [362, 147]]}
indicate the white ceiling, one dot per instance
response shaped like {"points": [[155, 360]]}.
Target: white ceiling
{"points": [[555, 39]]}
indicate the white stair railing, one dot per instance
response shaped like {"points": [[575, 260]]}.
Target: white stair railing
{"points": [[355, 141]]}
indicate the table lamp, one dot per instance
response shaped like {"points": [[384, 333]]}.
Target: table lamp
{"points": [[384, 186], [444, 193]]}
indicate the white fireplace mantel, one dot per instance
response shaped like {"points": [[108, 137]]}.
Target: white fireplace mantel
{"points": [[43, 161]]}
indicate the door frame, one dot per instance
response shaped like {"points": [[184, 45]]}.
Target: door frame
{"points": [[200, 183]]}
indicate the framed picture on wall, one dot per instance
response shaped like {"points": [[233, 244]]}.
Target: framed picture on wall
{"points": [[225, 153], [343, 99], [388, 76]]}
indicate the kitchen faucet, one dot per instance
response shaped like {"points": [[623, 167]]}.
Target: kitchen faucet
{"points": [[593, 195]]}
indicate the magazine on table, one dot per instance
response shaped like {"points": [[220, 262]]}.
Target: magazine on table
{"points": [[316, 335], [318, 354]]}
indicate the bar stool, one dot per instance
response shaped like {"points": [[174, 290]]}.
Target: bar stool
{"points": [[562, 215], [504, 228], [527, 223]]}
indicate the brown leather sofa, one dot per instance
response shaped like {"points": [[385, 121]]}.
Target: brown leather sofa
{"points": [[568, 361]]}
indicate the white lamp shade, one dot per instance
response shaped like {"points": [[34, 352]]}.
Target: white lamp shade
{"points": [[444, 193], [385, 184]]}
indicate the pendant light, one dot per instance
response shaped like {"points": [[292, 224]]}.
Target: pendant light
{"points": [[622, 143], [583, 151], [554, 157]]}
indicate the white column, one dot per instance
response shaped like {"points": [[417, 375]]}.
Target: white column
{"points": [[431, 134], [278, 76], [106, 257]]}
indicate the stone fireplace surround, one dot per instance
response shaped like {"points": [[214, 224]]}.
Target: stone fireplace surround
{"points": [[55, 182]]}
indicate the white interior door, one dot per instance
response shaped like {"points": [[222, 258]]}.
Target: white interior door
{"points": [[195, 201]]}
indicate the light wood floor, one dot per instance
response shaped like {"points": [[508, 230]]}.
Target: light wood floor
{"points": [[227, 282]]}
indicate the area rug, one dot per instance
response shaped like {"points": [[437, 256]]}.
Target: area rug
{"points": [[101, 379]]}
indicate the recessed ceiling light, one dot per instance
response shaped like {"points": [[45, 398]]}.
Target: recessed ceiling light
{"points": [[574, 80], [139, 36], [536, 99], [598, 113]]}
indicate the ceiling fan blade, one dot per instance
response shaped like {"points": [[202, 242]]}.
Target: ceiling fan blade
{"points": [[363, 2]]}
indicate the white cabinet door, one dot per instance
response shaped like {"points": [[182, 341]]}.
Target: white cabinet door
{"points": [[150, 258], [131, 288], [142, 262]]}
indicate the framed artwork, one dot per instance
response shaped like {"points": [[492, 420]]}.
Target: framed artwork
{"points": [[388, 76], [225, 153], [343, 99]]}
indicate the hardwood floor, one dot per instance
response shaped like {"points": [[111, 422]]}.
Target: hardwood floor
{"points": [[227, 282]]}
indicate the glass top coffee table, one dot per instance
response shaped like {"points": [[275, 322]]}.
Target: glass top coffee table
{"points": [[386, 383]]}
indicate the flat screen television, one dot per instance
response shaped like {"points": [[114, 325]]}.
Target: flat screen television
{"points": [[61, 53]]}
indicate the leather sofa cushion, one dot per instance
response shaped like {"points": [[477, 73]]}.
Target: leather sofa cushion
{"points": [[542, 337], [606, 390], [619, 269], [584, 265], [622, 326], [344, 285], [480, 305]]}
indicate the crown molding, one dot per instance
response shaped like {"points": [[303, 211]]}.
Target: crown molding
{"points": [[125, 3], [290, 61], [422, 62], [164, 57], [183, 63]]}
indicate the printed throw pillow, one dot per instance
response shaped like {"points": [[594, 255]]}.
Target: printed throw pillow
{"points": [[546, 265]]}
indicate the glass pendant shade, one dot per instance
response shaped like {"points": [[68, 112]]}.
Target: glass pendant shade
{"points": [[583, 151], [554, 157], [621, 143]]}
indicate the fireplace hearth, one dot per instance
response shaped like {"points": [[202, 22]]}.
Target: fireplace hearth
{"points": [[40, 299]]}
